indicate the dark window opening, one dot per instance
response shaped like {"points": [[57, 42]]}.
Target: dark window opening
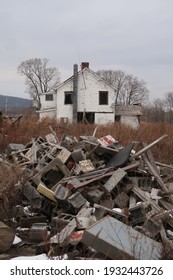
{"points": [[49, 97], [86, 117], [103, 97], [68, 97], [117, 118]]}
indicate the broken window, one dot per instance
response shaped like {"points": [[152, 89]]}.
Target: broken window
{"points": [[68, 97], [103, 97], [49, 97]]}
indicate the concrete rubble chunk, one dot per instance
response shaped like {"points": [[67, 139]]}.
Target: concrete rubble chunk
{"points": [[109, 200], [78, 155], [67, 231], [13, 147], [28, 221], [86, 166], [32, 194], [112, 182], [122, 200], [38, 232], [61, 193], [58, 223], [151, 227], [76, 201]]}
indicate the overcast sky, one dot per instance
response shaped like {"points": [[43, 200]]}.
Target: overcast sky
{"points": [[130, 35]]}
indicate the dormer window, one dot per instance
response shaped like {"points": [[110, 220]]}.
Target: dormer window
{"points": [[49, 97]]}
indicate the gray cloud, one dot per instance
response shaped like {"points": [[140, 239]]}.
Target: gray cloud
{"points": [[134, 36]]}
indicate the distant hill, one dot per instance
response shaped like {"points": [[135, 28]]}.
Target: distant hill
{"points": [[14, 104]]}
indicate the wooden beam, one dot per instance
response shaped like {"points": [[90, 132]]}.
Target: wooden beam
{"points": [[150, 145]]}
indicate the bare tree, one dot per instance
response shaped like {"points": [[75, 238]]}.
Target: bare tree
{"points": [[169, 105], [158, 110], [129, 88], [39, 78]]}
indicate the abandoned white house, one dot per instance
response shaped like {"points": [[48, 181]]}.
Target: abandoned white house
{"points": [[85, 96]]}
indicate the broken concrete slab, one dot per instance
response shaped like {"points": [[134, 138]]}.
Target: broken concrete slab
{"points": [[122, 200], [116, 240], [15, 147], [116, 177], [76, 201], [62, 193]]}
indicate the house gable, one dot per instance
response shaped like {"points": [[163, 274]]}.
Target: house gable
{"points": [[95, 98]]}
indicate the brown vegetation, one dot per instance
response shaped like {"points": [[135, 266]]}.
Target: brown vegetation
{"points": [[27, 128]]}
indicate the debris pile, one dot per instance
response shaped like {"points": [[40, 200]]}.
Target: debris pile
{"points": [[93, 198]]}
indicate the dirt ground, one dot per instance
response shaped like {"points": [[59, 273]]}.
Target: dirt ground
{"points": [[25, 250]]}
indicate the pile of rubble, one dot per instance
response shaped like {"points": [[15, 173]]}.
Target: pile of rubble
{"points": [[92, 198]]}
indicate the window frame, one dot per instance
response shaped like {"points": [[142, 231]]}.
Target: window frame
{"points": [[48, 97], [106, 98], [68, 97]]}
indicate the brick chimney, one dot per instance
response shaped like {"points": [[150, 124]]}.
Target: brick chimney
{"points": [[84, 65]]}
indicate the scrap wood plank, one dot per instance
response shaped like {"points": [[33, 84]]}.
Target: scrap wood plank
{"points": [[165, 204], [150, 145], [154, 173], [150, 158], [164, 165], [157, 177], [87, 176], [128, 167], [103, 148], [118, 215], [163, 214], [144, 197], [54, 133]]}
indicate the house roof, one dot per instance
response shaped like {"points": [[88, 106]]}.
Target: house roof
{"points": [[80, 73]]}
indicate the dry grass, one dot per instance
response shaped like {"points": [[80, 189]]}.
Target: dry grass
{"points": [[10, 189], [28, 128]]}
